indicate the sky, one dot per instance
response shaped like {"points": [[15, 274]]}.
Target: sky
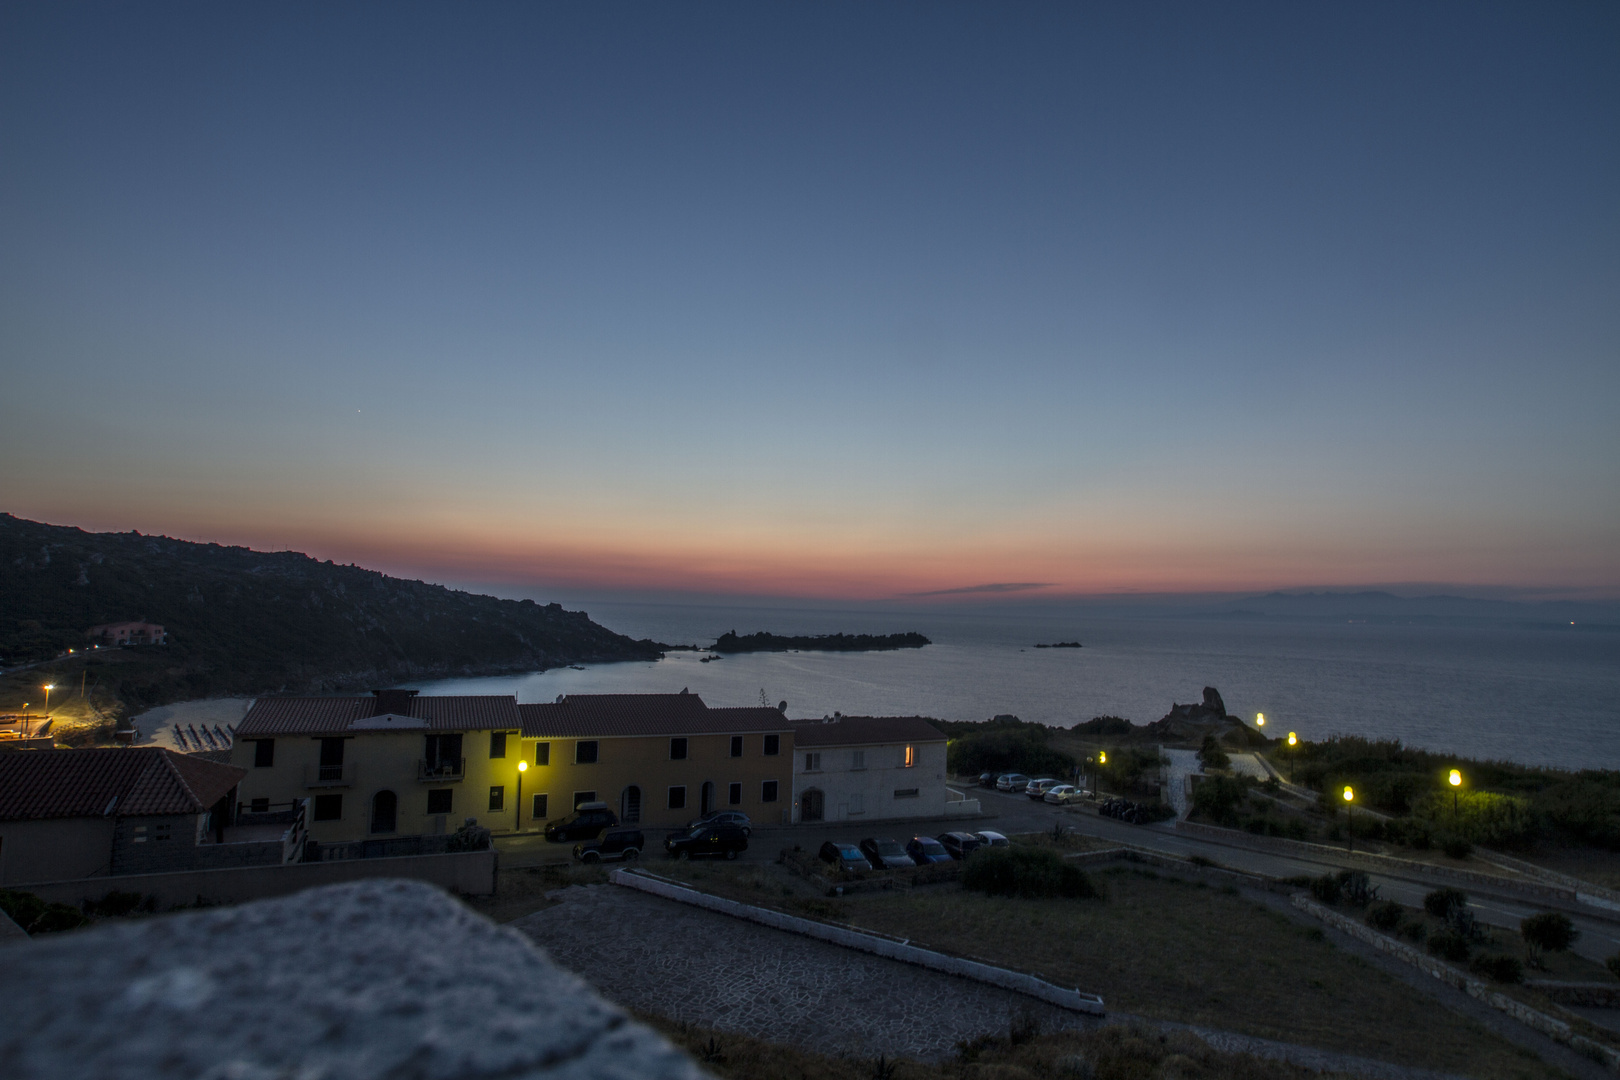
{"points": [[824, 300]]}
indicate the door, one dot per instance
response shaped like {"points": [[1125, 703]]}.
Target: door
{"points": [[812, 806], [707, 801], [383, 811], [630, 805]]}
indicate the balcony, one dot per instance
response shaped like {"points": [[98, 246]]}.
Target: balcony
{"points": [[329, 776], [441, 771]]}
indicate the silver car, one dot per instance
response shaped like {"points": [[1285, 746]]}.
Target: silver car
{"points": [[1064, 794], [1037, 789], [1013, 781]]}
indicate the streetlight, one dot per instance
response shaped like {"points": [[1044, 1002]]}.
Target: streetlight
{"points": [[517, 812], [1456, 782], [1349, 829], [48, 688], [1293, 742], [1259, 719]]}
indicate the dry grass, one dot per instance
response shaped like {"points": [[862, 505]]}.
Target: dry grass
{"points": [[1117, 1052]]}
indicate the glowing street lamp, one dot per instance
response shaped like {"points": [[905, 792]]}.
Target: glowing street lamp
{"points": [[1456, 782], [48, 688], [1259, 719], [517, 811], [1293, 752], [1349, 829]]}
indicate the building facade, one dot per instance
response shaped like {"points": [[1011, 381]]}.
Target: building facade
{"points": [[874, 768], [128, 633]]}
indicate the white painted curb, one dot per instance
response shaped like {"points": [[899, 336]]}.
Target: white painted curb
{"points": [[1074, 1000]]}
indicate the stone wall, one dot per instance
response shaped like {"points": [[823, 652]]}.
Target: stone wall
{"points": [[365, 982]]}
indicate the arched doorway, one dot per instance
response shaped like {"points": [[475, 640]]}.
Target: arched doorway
{"points": [[384, 809], [812, 805], [630, 805], [707, 801]]}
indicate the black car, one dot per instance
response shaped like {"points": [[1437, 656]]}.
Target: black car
{"points": [[959, 844], [887, 854], [623, 844], [724, 817], [585, 823], [724, 840]]}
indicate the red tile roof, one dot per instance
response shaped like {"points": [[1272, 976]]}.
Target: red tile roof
{"points": [[333, 715], [138, 781], [627, 715], [865, 730]]}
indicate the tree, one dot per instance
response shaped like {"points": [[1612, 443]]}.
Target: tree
{"points": [[1550, 931], [1212, 755]]}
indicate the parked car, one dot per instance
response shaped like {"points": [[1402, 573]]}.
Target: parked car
{"points": [[959, 845], [993, 839], [925, 849], [885, 854], [725, 817], [623, 844], [724, 840], [585, 823], [844, 856], [1064, 794], [1013, 781], [1037, 789]]}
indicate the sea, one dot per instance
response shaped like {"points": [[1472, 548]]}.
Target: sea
{"points": [[1535, 694]]}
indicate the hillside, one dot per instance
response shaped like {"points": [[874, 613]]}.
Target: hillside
{"points": [[247, 622]]}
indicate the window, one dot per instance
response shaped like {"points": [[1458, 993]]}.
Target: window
{"points": [[906, 793], [677, 798], [542, 753], [677, 749], [585, 752], [497, 798], [767, 791], [583, 797], [630, 806], [736, 746], [812, 762], [439, 801], [734, 795], [443, 755], [140, 835], [331, 760], [911, 757], [264, 753], [773, 745], [497, 744], [259, 806], [857, 760], [539, 808], [328, 808], [384, 810]]}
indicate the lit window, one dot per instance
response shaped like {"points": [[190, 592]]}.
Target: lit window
{"points": [[911, 756]]}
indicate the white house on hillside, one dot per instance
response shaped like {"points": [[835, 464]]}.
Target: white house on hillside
{"points": [[868, 767]]}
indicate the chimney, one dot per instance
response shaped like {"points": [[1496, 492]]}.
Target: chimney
{"points": [[394, 701]]}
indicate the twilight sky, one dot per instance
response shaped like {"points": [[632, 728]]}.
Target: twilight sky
{"points": [[819, 300]]}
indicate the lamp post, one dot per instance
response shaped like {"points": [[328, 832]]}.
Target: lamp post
{"points": [[48, 688], [1259, 719], [1456, 782], [1293, 742], [1349, 829], [517, 811]]}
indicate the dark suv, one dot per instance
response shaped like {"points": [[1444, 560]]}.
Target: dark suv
{"points": [[623, 844], [724, 840], [585, 823], [724, 817]]}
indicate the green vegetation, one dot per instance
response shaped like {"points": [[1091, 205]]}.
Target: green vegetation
{"points": [[1547, 932], [249, 622], [1211, 754], [1030, 872], [732, 642], [1003, 744], [36, 916]]}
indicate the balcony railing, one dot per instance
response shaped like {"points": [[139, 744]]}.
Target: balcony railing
{"points": [[329, 776], [441, 771]]}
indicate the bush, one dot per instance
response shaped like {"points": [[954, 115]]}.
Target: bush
{"points": [[1022, 748], [1415, 932], [1212, 755], [1356, 888], [1026, 872], [116, 903], [1325, 889], [1384, 916], [1409, 832], [35, 916], [1502, 969], [1442, 902], [1456, 847], [1550, 931], [1448, 945], [1481, 817], [1220, 798]]}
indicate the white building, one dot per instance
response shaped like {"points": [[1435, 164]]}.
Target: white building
{"points": [[868, 768]]}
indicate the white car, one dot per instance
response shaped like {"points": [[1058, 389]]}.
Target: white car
{"points": [[1064, 794], [993, 839], [1013, 781]]}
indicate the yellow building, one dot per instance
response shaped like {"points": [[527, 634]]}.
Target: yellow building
{"points": [[398, 764]]}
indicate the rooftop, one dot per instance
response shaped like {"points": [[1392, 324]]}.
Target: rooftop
{"points": [[383, 711], [865, 730], [624, 715], [126, 782]]}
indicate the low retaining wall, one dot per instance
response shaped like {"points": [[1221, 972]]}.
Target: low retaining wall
{"points": [[469, 872], [1587, 891], [1385, 863], [859, 940], [1552, 1027], [1591, 995]]}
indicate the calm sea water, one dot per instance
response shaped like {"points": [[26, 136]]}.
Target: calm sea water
{"points": [[1540, 696]]}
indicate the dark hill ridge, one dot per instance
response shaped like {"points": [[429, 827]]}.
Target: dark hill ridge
{"points": [[732, 642], [244, 621]]}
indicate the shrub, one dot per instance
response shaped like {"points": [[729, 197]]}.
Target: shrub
{"points": [[1449, 945], [1009, 748], [1384, 916], [1415, 932], [35, 916], [1220, 798], [1409, 832], [1325, 889], [1212, 755], [1456, 847], [1356, 888], [1550, 931], [1481, 817], [1442, 902], [1027, 872], [1503, 969], [118, 903]]}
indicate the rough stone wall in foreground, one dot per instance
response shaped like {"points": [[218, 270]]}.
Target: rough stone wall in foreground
{"points": [[351, 982]]}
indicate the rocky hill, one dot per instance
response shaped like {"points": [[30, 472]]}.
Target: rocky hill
{"points": [[247, 622]]}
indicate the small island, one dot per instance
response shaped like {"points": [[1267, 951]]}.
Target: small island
{"points": [[1062, 645], [732, 642]]}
